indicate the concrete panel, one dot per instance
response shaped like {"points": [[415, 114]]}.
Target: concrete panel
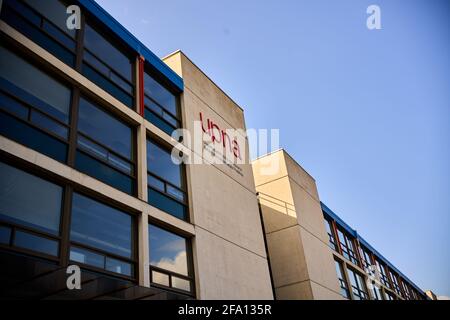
{"points": [[300, 176], [322, 293], [225, 208], [296, 291], [309, 211], [286, 256], [319, 260], [227, 271]]}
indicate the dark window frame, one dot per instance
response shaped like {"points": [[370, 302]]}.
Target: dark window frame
{"points": [[115, 42], [343, 283], [362, 293], [79, 46], [348, 252], [69, 188], [158, 142], [190, 263], [332, 243], [98, 103], [13, 5], [77, 92], [177, 117], [133, 261], [383, 273]]}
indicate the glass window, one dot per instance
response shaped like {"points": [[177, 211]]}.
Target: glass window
{"points": [[383, 274], [165, 181], [168, 259], [160, 94], [33, 242], [331, 237], [104, 128], [105, 147], [358, 285], [44, 22], [52, 96], [160, 163], [107, 66], [366, 257], [395, 282], [160, 105], [347, 246], [28, 200], [55, 11], [343, 284], [102, 227], [34, 107]]}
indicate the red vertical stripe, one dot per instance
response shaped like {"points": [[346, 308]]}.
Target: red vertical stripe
{"points": [[141, 85]]}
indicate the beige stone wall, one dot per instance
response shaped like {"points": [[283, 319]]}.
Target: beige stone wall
{"points": [[301, 262], [230, 260]]}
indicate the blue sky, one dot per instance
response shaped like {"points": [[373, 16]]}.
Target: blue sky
{"points": [[365, 112]]}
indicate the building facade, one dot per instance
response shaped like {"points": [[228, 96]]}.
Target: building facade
{"points": [[313, 254], [91, 176], [87, 177]]}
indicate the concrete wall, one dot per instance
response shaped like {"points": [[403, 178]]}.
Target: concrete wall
{"points": [[230, 255], [302, 264]]}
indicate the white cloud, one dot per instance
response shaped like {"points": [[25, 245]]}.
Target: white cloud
{"points": [[443, 298]]}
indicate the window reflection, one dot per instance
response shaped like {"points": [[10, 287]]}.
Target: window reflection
{"points": [[105, 147], [342, 282], [54, 97], [100, 226], [166, 189], [169, 259], [358, 285], [167, 250], [28, 200]]}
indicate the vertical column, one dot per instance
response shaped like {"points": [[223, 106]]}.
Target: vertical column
{"points": [[144, 272]]}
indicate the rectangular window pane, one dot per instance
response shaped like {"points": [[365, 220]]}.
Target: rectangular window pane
{"points": [[55, 11], [32, 242], [10, 104], [100, 226], [160, 278], [28, 200], [167, 250], [103, 49], [159, 162], [118, 266], [104, 128], [102, 172], [36, 83], [87, 257], [155, 183], [5, 235], [36, 26], [160, 94], [51, 125], [32, 137], [181, 284], [167, 204]]}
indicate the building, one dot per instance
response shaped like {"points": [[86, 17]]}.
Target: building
{"points": [[88, 178], [313, 254], [86, 117]]}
